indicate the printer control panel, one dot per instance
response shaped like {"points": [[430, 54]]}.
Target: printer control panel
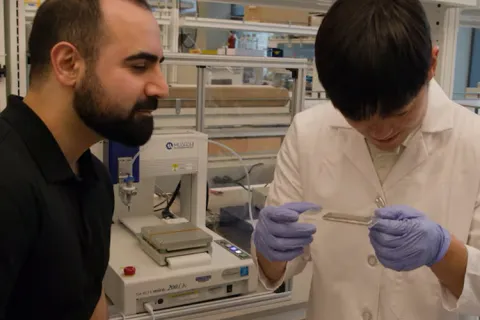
{"points": [[233, 249]]}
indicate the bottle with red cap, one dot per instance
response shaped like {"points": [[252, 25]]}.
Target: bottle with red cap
{"points": [[232, 40]]}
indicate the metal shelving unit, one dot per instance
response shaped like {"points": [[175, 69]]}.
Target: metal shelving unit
{"points": [[248, 26], [323, 5], [470, 18], [187, 59], [201, 62], [443, 15]]}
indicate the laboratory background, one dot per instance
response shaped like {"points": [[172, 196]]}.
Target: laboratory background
{"points": [[238, 71]]}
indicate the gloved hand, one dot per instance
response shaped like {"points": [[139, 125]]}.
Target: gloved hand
{"points": [[279, 236], [405, 239]]}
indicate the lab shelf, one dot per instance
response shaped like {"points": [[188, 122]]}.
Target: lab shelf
{"points": [[470, 18], [248, 26], [187, 59], [216, 162], [246, 132], [30, 12], [454, 3], [324, 5], [314, 5], [274, 42]]}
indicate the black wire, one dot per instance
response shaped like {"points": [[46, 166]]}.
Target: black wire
{"points": [[241, 185], [208, 196], [166, 210], [249, 171], [159, 204]]}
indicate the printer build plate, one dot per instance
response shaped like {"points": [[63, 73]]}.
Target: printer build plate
{"points": [[165, 241], [175, 237]]}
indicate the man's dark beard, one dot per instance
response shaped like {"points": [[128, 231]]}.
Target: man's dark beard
{"points": [[132, 130]]}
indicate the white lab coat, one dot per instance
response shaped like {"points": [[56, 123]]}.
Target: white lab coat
{"points": [[325, 161]]}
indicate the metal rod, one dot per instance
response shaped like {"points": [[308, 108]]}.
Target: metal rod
{"points": [[298, 93], [302, 81], [230, 99], [200, 124]]}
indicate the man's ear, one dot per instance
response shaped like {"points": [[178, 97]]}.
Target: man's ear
{"points": [[67, 63], [433, 66]]}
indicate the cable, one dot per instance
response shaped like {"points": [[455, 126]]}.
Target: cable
{"points": [[166, 211], [208, 197], [249, 171], [135, 158], [159, 204], [247, 175], [149, 309], [241, 185]]}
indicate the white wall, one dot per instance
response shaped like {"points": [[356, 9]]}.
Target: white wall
{"points": [[462, 61]]}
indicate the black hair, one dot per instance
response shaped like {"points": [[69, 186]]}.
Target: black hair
{"points": [[373, 56], [78, 22]]}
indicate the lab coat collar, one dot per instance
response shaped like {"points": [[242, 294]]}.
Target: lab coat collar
{"points": [[438, 119], [439, 116]]}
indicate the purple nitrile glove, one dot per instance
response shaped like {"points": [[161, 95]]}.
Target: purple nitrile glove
{"points": [[405, 239], [279, 236]]}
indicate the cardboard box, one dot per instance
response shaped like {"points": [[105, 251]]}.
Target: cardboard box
{"points": [[225, 96], [246, 146], [276, 15], [315, 20]]}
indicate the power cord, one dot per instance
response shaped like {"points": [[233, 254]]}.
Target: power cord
{"points": [[149, 309], [166, 213], [230, 180], [249, 171]]}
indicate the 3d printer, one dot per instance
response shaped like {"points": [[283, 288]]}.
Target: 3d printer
{"points": [[161, 262]]}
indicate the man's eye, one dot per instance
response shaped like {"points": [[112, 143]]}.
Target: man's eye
{"points": [[139, 68]]}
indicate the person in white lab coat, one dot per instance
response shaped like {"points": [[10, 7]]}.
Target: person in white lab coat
{"points": [[391, 146]]}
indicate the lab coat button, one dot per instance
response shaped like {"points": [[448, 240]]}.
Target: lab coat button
{"points": [[372, 260], [366, 315]]}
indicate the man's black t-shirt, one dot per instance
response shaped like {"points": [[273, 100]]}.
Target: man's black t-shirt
{"points": [[54, 225]]}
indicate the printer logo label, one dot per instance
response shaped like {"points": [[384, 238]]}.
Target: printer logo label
{"points": [[180, 145]]}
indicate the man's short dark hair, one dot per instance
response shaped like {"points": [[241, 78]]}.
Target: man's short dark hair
{"points": [[78, 22], [373, 56]]}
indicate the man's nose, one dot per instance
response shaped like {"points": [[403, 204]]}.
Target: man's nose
{"points": [[157, 87]]}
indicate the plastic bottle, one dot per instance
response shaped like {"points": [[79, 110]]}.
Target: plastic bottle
{"points": [[255, 42]]}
